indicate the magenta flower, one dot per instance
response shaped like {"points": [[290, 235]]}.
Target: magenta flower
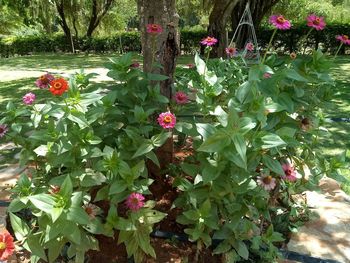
{"points": [[44, 81], [209, 41], [181, 97], [280, 22], [316, 22], [29, 98], [3, 130], [289, 171], [249, 46], [154, 29], [231, 51], [267, 75], [167, 120], [135, 201], [344, 39], [135, 65], [267, 182]]}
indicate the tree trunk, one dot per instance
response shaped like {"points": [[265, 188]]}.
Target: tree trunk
{"points": [[97, 16], [162, 48], [258, 8], [217, 24], [63, 23]]}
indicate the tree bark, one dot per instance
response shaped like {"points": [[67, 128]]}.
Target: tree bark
{"points": [[162, 49], [63, 23], [218, 18], [96, 15]]}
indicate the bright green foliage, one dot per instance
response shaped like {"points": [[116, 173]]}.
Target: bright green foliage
{"points": [[98, 146]]}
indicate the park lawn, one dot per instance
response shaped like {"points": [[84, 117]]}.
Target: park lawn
{"points": [[17, 76]]}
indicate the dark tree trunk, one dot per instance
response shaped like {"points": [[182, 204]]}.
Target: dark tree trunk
{"points": [[258, 8], [217, 24], [162, 48], [63, 23], [96, 15]]}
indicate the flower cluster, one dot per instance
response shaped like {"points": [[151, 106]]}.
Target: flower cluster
{"points": [[135, 201], [344, 39], [43, 81], [29, 98], [154, 29], [7, 246], [316, 22], [58, 86], [167, 120], [209, 41], [280, 22], [181, 97]]}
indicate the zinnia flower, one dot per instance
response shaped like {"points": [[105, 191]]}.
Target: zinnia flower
{"points": [[267, 75], [58, 86], [249, 46], [267, 182], [181, 97], [293, 55], [344, 39], [154, 29], [135, 201], [316, 22], [135, 65], [3, 130], [209, 41], [280, 22], [305, 124], [167, 120], [231, 51], [44, 81], [7, 247], [29, 98], [290, 173], [92, 210]]}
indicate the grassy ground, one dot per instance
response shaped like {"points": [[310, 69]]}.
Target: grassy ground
{"points": [[17, 76]]}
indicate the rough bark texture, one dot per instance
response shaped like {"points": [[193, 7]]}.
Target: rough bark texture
{"points": [[63, 22], [97, 15], [164, 47], [258, 8], [218, 19]]}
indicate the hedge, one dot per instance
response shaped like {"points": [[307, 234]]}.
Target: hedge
{"points": [[286, 41]]}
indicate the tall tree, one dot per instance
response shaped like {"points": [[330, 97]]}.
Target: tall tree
{"points": [[98, 10], [162, 48]]}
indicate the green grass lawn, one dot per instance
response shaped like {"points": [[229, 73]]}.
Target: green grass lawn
{"points": [[17, 76]]}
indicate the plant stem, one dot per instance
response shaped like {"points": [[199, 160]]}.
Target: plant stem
{"points": [[153, 51], [207, 59], [336, 53], [269, 45], [305, 38]]}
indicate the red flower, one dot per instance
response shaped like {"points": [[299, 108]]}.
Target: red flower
{"points": [[181, 97], [154, 29], [7, 247], [58, 86]]}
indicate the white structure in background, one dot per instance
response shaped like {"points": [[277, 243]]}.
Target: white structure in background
{"points": [[248, 49]]}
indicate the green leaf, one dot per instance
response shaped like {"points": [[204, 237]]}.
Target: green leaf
{"points": [[205, 130], [66, 188], [41, 150], [153, 157], [221, 115], [285, 100], [20, 228], [146, 147], [271, 141], [200, 64], [56, 213], [242, 250], [273, 165], [78, 215], [43, 202], [159, 139], [35, 247], [78, 118], [241, 147], [215, 142], [117, 187], [153, 216]]}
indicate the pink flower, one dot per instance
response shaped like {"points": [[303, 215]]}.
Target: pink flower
{"points": [[167, 120], [209, 41], [344, 39], [92, 210], [29, 98], [154, 29], [7, 246], [316, 22], [3, 130], [249, 46], [267, 75], [289, 171], [231, 51], [135, 201], [44, 81], [280, 22], [135, 65], [267, 182], [181, 97]]}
